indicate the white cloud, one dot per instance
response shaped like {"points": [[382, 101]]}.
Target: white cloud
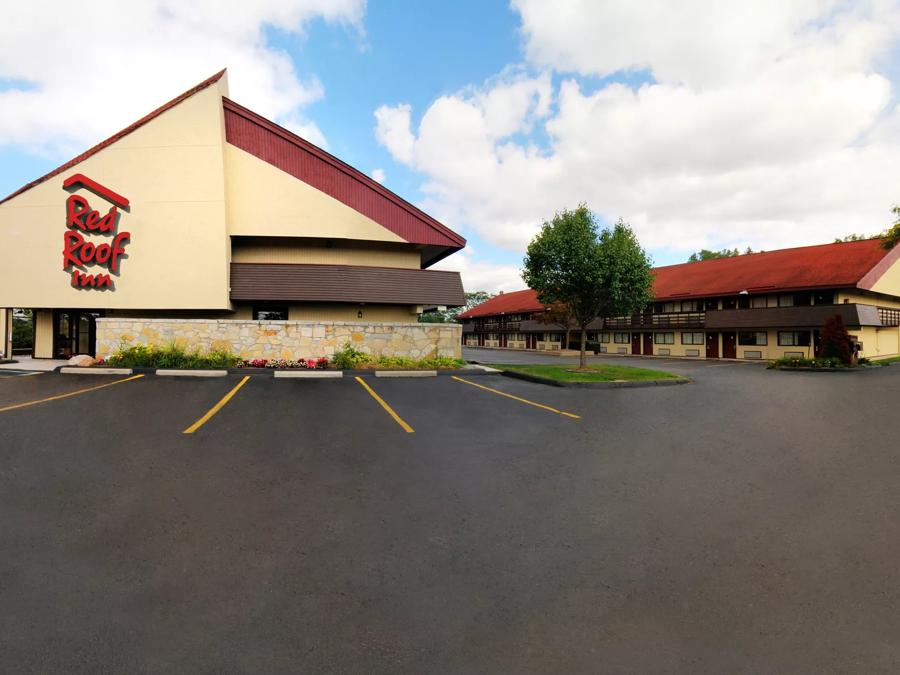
{"points": [[378, 175], [764, 124], [480, 274], [89, 69]]}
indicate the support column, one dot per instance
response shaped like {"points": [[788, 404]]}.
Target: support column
{"points": [[5, 333]]}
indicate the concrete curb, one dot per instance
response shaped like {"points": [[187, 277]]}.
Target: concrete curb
{"points": [[405, 373], [594, 385], [309, 374], [166, 372], [76, 370]]}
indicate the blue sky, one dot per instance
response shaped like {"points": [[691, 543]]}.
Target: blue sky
{"points": [[721, 124]]}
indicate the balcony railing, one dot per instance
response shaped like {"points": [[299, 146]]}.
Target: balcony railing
{"points": [[889, 316], [657, 321]]}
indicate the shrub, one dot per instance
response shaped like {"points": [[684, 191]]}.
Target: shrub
{"points": [[170, 356], [822, 362], [836, 340], [348, 357]]}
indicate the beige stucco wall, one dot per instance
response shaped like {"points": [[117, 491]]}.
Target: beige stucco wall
{"points": [[889, 283], [283, 339], [43, 334], [862, 298], [263, 200], [172, 171], [339, 252]]}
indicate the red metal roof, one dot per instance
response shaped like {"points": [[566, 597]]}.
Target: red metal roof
{"points": [[844, 265], [506, 303], [840, 265], [115, 137], [303, 160]]}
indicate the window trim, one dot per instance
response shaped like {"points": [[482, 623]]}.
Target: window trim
{"points": [[693, 335], [668, 338]]}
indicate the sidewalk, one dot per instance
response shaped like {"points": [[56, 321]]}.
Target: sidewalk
{"points": [[28, 363]]}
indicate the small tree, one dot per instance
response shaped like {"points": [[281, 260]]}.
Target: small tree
{"points": [[836, 340], [595, 274], [892, 235], [558, 314]]}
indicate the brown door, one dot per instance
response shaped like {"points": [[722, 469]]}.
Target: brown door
{"points": [[648, 344], [635, 343], [503, 339], [729, 345], [712, 345]]}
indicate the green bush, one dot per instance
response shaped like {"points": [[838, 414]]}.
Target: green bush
{"points": [[170, 356], [349, 357], [822, 362]]}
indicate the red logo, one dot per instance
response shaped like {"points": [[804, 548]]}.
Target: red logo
{"points": [[81, 218]]}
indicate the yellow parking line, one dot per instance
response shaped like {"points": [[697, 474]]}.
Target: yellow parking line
{"points": [[520, 400], [71, 393], [216, 408], [390, 411]]}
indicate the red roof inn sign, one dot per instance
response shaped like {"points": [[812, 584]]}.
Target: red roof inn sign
{"points": [[81, 219]]}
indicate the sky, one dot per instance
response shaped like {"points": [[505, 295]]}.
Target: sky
{"points": [[702, 123]]}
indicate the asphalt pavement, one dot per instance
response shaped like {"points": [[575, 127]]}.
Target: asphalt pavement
{"points": [[744, 523]]}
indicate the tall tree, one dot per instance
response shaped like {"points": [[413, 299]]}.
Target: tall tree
{"points": [[836, 339], [594, 273]]}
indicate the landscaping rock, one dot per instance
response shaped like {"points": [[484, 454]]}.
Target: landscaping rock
{"points": [[82, 361]]}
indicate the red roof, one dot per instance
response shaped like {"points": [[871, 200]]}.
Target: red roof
{"points": [[844, 265], [115, 137], [298, 157], [506, 303], [840, 265]]}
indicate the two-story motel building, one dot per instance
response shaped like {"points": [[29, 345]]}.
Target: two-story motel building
{"points": [[758, 306], [202, 209]]}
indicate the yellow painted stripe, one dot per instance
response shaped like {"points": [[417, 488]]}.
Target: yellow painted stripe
{"points": [[390, 411], [71, 393], [519, 399], [217, 407]]}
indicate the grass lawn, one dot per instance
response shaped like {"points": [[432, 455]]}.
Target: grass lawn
{"points": [[891, 359], [599, 373]]}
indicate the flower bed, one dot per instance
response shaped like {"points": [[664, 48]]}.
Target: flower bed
{"points": [[300, 364], [821, 363]]}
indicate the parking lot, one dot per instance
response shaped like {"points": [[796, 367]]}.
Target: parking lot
{"points": [[744, 523]]}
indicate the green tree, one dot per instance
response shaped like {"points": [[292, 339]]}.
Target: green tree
{"points": [[706, 254], [851, 237], [594, 273], [449, 315], [892, 234]]}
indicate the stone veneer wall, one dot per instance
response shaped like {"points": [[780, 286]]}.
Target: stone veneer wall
{"points": [[283, 339]]}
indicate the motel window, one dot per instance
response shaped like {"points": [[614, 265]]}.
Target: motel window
{"points": [[692, 338], [689, 306], [793, 338], [664, 338], [753, 338], [758, 301], [621, 338], [604, 337], [668, 307], [785, 300], [270, 312]]}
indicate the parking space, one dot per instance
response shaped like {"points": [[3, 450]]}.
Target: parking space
{"points": [[515, 528]]}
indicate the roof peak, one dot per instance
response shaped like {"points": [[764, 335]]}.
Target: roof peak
{"points": [[119, 135]]}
